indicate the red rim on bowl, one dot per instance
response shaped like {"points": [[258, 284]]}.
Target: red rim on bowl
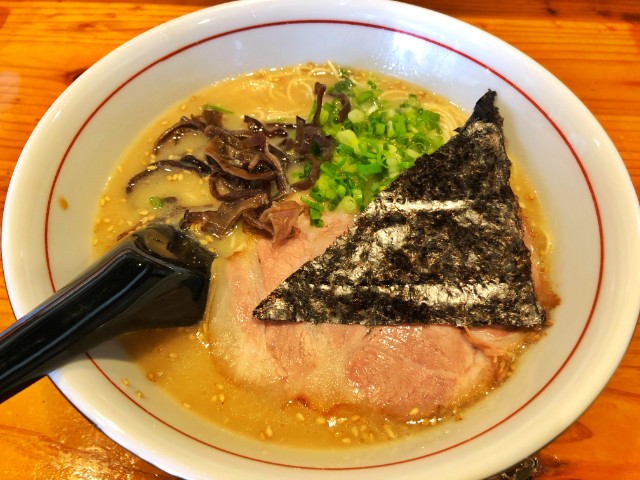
{"points": [[449, 48]]}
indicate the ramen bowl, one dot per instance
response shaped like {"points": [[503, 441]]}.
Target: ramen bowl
{"points": [[584, 189]]}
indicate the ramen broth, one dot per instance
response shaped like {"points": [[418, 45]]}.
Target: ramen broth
{"points": [[180, 360]]}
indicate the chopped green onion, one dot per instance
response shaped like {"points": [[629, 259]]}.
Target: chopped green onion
{"points": [[306, 171], [349, 205], [374, 144], [357, 116], [347, 137], [156, 202], [364, 96], [369, 169], [315, 211], [218, 108], [343, 86]]}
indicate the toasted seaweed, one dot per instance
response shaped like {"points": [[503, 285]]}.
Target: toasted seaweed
{"points": [[443, 244]]}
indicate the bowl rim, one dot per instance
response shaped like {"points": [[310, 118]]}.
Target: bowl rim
{"points": [[196, 15]]}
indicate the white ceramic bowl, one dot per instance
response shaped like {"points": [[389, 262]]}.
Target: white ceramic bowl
{"points": [[584, 187]]}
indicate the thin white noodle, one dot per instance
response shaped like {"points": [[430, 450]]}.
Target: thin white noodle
{"points": [[274, 94], [333, 69], [396, 94], [299, 83]]}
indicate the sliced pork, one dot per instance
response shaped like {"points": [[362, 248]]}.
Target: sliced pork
{"points": [[392, 369]]}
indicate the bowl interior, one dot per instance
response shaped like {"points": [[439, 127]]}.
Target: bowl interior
{"points": [[579, 176]]}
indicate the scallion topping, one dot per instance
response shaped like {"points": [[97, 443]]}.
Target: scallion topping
{"points": [[374, 144], [156, 202], [217, 108]]}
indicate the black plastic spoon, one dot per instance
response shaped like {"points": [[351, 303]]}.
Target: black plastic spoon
{"points": [[155, 277]]}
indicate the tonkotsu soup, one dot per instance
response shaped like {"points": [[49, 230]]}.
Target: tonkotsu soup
{"points": [[285, 383]]}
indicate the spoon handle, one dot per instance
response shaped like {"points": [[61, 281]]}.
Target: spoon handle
{"points": [[128, 290]]}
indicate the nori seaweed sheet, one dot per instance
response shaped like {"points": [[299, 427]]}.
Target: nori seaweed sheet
{"points": [[443, 244]]}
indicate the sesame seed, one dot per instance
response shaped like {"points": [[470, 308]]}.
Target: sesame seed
{"points": [[387, 429], [346, 441], [414, 411], [152, 376], [269, 431], [139, 394], [300, 416], [125, 382], [186, 405], [355, 418], [321, 420], [173, 355]]}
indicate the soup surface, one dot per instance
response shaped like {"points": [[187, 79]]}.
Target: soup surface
{"points": [[197, 365]]}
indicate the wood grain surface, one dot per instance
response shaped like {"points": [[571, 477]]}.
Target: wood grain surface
{"points": [[591, 46]]}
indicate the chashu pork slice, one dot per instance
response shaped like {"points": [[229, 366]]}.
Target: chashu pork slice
{"points": [[443, 244]]}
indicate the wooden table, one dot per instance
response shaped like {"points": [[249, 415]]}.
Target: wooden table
{"points": [[592, 46]]}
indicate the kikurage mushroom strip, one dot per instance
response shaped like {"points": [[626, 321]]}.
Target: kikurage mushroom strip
{"points": [[247, 170]]}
